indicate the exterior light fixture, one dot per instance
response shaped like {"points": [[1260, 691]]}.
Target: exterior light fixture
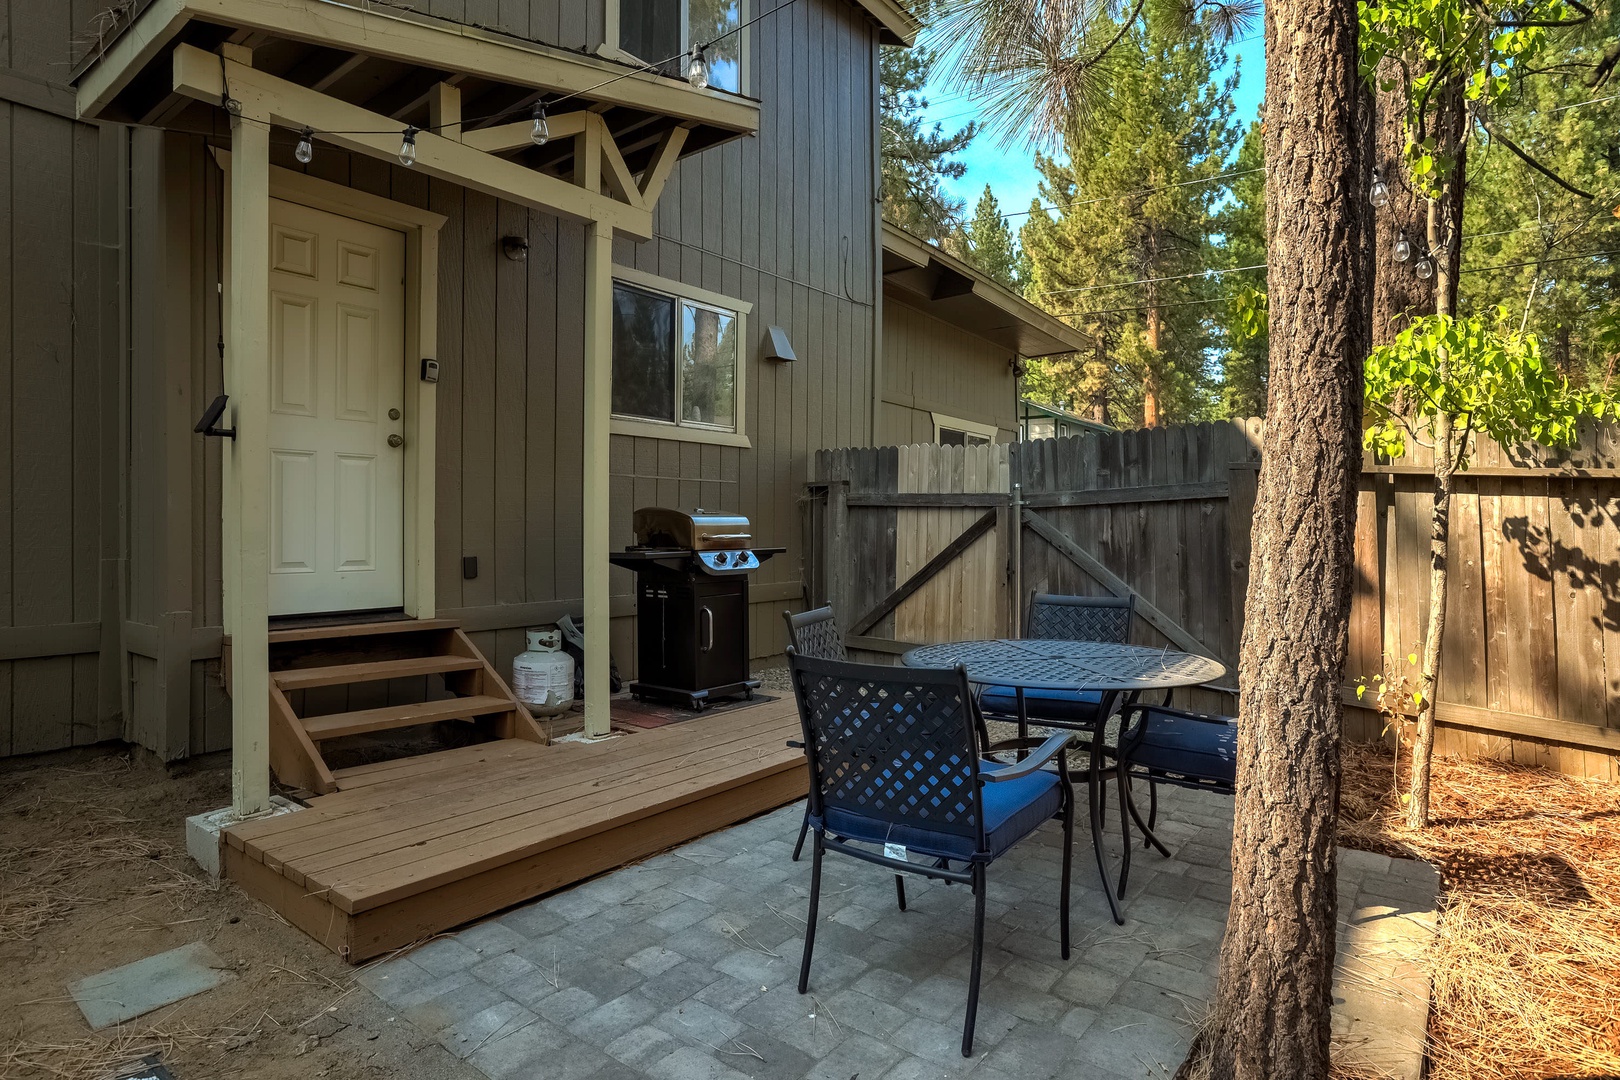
{"points": [[540, 134], [407, 149], [515, 248], [1378, 194], [305, 153], [697, 68], [1403, 249], [1425, 268]]}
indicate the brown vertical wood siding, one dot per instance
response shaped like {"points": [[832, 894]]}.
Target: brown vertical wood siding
{"points": [[110, 577], [931, 366]]}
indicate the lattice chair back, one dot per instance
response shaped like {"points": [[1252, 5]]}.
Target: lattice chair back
{"points": [[891, 745], [1054, 617], [815, 634]]}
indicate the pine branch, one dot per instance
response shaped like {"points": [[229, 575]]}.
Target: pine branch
{"points": [[1525, 157]]}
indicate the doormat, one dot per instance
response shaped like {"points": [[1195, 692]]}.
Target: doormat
{"points": [[642, 715]]}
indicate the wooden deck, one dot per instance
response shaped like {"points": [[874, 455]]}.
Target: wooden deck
{"points": [[409, 848]]}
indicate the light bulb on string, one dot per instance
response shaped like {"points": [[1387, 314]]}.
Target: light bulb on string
{"points": [[305, 153], [697, 68], [1378, 194], [540, 134], [1403, 249], [1425, 268], [407, 149]]}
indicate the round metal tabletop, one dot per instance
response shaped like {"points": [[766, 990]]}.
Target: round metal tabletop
{"points": [[1068, 665]]}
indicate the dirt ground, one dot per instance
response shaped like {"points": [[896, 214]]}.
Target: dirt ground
{"points": [[94, 874]]}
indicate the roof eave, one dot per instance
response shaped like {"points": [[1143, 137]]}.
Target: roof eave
{"points": [[897, 25]]}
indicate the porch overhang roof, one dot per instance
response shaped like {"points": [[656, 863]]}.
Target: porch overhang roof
{"points": [[389, 61], [923, 276], [897, 25]]}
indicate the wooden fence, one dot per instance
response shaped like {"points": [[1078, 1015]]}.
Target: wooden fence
{"points": [[931, 543]]}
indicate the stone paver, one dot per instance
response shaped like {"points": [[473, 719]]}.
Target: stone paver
{"points": [[685, 967]]}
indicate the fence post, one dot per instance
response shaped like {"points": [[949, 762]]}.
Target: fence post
{"points": [[836, 556]]}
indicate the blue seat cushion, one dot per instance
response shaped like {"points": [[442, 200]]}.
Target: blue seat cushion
{"points": [[1012, 810], [1196, 749], [1075, 706]]}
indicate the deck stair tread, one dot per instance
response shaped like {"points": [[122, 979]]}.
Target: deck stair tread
{"points": [[392, 717], [372, 671], [459, 813], [294, 634]]}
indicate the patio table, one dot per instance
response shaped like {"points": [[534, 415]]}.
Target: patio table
{"points": [[1040, 664]]}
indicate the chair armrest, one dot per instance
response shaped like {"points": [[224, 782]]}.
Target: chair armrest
{"points": [[1001, 745], [1134, 720], [1053, 747]]}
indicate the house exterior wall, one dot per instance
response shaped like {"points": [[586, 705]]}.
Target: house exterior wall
{"points": [[931, 366], [110, 592]]}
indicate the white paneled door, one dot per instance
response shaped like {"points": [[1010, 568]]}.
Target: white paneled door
{"points": [[337, 395]]}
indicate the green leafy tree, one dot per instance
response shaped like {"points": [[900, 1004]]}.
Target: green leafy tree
{"points": [[1241, 318], [989, 243], [1442, 380], [1122, 255], [917, 157]]}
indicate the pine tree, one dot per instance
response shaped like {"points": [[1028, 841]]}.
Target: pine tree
{"points": [[1245, 340], [917, 157], [1121, 256], [990, 244]]}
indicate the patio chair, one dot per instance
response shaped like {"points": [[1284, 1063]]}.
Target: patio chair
{"points": [[1066, 618], [895, 771], [814, 633], [1174, 746]]}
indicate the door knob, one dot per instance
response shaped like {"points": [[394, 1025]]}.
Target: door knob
{"points": [[393, 414], [396, 441]]}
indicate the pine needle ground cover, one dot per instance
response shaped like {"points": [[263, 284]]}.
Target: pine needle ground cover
{"points": [[1526, 965]]}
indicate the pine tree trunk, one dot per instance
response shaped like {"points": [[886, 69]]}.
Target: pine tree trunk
{"points": [[1271, 1016], [1150, 378], [1399, 294]]}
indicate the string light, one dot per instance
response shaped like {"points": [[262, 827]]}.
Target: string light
{"points": [[1403, 249], [697, 68], [407, 149], [306, 147], [540, 134], [1425, 268], [1378, 194]]}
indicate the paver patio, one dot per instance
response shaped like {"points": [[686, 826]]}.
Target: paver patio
{"points": [[683, 967]]}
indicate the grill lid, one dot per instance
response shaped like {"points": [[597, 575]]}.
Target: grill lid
{"points": [[696, 529]]}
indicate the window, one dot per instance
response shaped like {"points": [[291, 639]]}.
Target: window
{"points": [[655, 30], [950, 431], [676, 360]]}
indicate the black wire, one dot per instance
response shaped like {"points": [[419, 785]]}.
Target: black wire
{"points": [[545, 103]]}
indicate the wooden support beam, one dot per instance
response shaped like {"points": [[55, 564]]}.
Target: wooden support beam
{"points": [[614, 171], [947, 555], [598, 406], [444, 111], [663, 163], [247, 463], [197, 74], [1105, 577], [588, 156], [504, 138]]}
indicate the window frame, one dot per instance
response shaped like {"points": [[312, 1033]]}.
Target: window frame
{"points": [[967, 427], [613, 50], [679, 430]]}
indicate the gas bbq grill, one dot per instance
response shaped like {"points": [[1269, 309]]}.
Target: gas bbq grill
{"points": [[692, 604]]}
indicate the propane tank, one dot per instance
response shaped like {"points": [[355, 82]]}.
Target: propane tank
{"points": [[543, 677]]}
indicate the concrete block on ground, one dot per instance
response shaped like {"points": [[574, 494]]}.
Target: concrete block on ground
{"points": [[206, 832], [132, 990]]}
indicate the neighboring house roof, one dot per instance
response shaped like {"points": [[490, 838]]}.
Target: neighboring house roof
{"points": [[924, 276], [1027, 407], [900, 26]]}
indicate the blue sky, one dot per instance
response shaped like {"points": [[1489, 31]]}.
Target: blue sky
{"points": [[1010, 171]]}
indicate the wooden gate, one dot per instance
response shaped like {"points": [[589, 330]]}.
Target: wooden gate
{"points": [[916, 544]]}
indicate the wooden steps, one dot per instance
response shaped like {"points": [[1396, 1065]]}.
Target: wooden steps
{"points": [[413, 847], [391, 717], [336, 681], [348, 674]]}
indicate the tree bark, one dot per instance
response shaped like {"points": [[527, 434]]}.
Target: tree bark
{"points": [[1150, 378], [1272, 1011]]}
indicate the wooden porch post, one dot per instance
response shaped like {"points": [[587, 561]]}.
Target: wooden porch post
{"points": [[247, 375], [598, 409]]}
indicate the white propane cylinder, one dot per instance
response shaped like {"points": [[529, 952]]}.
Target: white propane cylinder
{"points": [[543, 677]]}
